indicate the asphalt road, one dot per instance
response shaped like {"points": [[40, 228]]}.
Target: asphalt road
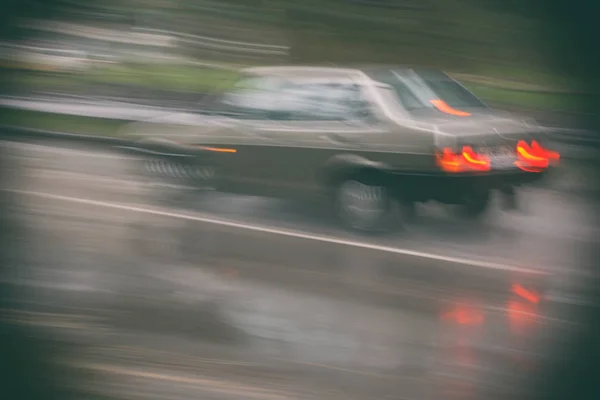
{"points": [[552, 219], [159, 323]]}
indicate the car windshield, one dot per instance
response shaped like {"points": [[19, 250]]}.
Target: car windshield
{"points": [[415, 92]]}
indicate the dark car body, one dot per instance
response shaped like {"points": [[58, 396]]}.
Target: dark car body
{"points": [[299, 132]]}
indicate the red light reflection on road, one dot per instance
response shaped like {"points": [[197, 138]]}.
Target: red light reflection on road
{"points": [[522, 312], [528, 295], [522, 317], [464, 314]]}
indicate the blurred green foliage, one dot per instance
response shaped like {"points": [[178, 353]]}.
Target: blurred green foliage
{"points": [[484, 37], [474, 36], [61, 122], [497, 48]]}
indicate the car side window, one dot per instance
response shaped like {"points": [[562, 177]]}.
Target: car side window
{"points": [[356, 106], [297, 101], [324, 102], [253, 98]]}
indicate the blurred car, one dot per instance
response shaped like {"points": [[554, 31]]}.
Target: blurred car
{"points": [[372, 141]]}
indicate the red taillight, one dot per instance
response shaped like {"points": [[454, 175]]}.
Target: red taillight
{"points": [[475, 161], [534, 158], [552, 156], [467, 160], [449, 161]]}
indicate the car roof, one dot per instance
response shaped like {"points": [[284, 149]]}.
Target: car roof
{"points": [[303, 71], [374, 72], [406, 72]]}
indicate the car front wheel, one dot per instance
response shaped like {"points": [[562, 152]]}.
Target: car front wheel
{"points": [[364, 204]]}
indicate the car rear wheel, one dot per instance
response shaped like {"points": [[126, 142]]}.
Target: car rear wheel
{"points": [[475, 203], [364, 203]]}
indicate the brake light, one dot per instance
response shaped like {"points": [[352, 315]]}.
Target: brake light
{"points": [[466, 160], [475, 161], [449, 161], [530, 156], [442, 106], [534, 158], [552, 156]]}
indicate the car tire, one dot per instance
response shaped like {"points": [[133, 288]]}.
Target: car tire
{"points": [[475, 203], [172, 179], [363, 202]]}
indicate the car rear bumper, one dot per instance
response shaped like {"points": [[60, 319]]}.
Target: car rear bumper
{"points": [[451, 188], [494, 180]]}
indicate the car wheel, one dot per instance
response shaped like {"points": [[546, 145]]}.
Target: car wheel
{"points": [[172, 179], [475, 203], [364, 204]]}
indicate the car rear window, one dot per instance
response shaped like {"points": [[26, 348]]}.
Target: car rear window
{"points": [[453, 93], [416, 90]]}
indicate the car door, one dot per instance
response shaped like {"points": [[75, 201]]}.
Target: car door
{"points": [[321, 118], [255, 117], [268, 162]]}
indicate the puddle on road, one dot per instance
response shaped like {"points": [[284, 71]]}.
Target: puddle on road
{"points": [[311, 328], [281, 323]]}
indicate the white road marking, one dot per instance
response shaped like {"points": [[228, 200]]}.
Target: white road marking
{"points": [[70, 175], [109, 181], [209, 384], [275, 231]]}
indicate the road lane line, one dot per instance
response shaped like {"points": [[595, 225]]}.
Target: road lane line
{"points": [[219, 386], [275, 231], [113, 182], [348, 370], [203, 360]]}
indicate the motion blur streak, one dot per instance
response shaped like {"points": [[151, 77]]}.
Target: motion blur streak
{"points": [[277, 199], [219, 150], [465, 315]]}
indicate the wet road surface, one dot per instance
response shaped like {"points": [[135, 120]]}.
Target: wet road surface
{"points": [[541, 235], [159, 322]]}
